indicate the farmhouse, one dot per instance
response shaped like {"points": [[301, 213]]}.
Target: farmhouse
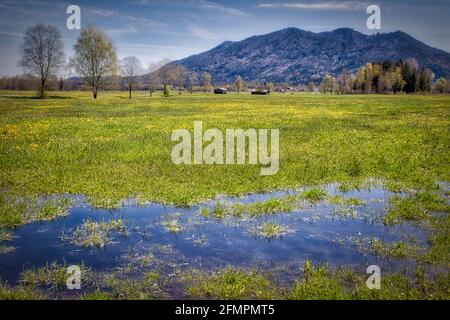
{"points": [[261, 91], [220, 91]]}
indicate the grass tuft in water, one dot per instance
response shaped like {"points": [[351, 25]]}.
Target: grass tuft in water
{"points": [[399, 250], [172, 224], [52, 275], [5, 235], [271, 230], [95, 234], [313, 195]]}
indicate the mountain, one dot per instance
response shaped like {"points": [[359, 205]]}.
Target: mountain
{"points": [[297, 56]]}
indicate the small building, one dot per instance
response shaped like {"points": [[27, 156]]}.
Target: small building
{"points": [[261, 92], [220, 91]]}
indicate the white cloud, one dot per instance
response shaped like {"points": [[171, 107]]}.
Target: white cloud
{"points": [[209, 5], [202, 33], [201, 4], [106, 13], [333, 5]]}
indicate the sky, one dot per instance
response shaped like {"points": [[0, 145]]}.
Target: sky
{"points": [[153, 30]]}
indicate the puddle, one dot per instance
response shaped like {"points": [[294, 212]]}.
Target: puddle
{"points": [[322, 233]]}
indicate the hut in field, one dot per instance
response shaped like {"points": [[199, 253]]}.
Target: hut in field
{"points": [[220, 91], [261, 92]]}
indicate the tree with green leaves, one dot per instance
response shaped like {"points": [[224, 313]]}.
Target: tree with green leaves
{"points": [[425, 80], [239, 84], [440, 86], [95, 59], [398, 83], [326, 85]]}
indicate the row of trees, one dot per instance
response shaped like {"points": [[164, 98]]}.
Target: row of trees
{"points": [[95, 61], [385, 77]]}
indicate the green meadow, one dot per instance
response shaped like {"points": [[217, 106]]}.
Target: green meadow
{"points": [[113, 148]]}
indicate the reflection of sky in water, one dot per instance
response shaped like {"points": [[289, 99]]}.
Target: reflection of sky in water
{"points": [[318, 233]]}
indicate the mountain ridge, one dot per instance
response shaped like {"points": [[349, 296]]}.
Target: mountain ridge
{"points": [[298, 56]]}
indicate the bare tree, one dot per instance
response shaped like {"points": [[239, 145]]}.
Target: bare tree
{"points": [[167, 76], [179, 75], [153, 82], [130, 68], [192, 80], [206, 81], [42, 53], [95, 58]]}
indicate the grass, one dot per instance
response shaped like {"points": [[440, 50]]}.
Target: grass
{"points": [[20, 293], [144, 288], [429, 210], [52, 275], [95, 234], [399, 250], [114, 148], [343, 201], [172, 224], [317, 283], [313, 195], [415, 207], [257, 209], [229, 284], [5, 249], [269, 230], [15, 211], [5, 235]]}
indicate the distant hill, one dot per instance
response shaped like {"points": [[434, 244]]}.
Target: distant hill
{"points": [[297, 56]]}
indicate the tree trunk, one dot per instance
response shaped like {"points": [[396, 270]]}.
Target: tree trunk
{"points": [[42, 89], [94, 92], [130, 91]]}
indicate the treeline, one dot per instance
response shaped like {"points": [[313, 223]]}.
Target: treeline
{"points": [[384, 78]]}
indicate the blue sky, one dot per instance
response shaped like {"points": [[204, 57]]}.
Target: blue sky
{"points": [[157, 29]]}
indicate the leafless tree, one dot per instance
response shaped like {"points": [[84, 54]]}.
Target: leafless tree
{"points": [[206, 81], [167, 76], [179, 75], [95, 58], [42, 53], [192, 79], [153, 82], [239, 84], [130, 68]]}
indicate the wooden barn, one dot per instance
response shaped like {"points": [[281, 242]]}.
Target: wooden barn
{"points": [[220, 91]]}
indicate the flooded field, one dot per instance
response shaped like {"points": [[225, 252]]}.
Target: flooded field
{"points": [[325, 226]]}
